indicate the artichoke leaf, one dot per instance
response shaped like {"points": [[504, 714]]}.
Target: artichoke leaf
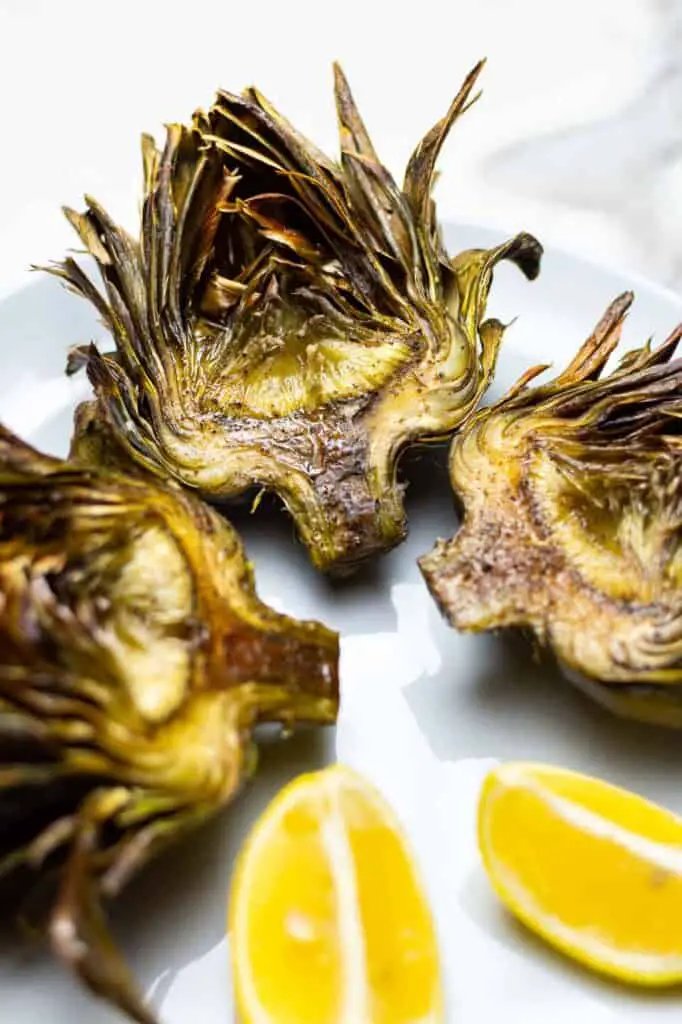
{"points": [[288, 322], [136, 662], [572, 528]]}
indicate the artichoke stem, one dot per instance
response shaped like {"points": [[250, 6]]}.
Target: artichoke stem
{"points": [[342, 522], [285, 664]]}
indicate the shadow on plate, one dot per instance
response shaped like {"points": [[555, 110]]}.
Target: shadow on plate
{"points": [[523, 708], [479, 903]]}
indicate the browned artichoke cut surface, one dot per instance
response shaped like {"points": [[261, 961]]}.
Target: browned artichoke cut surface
{"points": [[572, 497], [135, 661], [286, 321]]}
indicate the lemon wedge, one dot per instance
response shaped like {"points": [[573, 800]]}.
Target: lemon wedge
{"points": [[593, 869], [328, 920]]}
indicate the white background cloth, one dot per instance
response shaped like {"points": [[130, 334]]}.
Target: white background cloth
{"points": [[575, 138]]}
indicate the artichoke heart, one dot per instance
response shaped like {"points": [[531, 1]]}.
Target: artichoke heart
{"points": [[572, 499], [287, 322], [136, 661]]}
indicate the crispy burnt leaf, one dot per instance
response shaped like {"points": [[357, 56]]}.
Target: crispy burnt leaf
{"points": [[572, 497], [289, 322], [136, 661]]}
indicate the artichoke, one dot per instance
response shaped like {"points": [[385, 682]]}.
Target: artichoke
{"points": [[572, 529], [136, 661], [287, 322]]}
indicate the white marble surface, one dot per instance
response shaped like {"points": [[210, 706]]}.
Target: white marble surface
{"points": [[576, 138]]}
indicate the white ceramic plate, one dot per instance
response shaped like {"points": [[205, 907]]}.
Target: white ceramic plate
{"points": [[425, 711]]}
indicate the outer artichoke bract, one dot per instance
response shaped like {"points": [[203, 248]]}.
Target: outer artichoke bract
{"points": [[572, 495], [136, 660], [289, 322]]}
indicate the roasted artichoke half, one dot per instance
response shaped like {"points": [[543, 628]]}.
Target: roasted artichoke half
{"points": [[135, 662], [288, 322], [572, 498]]}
